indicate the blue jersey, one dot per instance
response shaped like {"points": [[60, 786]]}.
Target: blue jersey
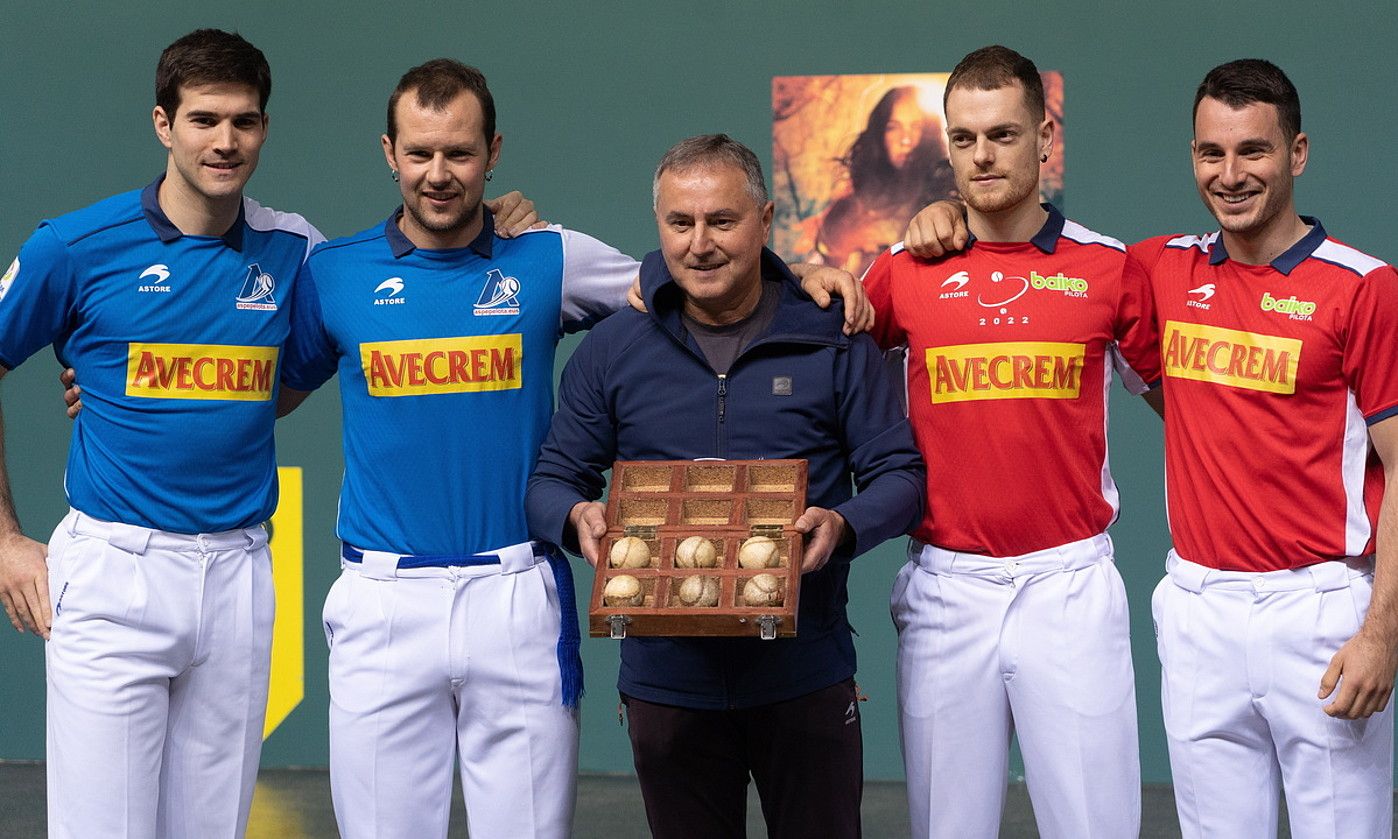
{"points": [[176, 341], [446, 373]]}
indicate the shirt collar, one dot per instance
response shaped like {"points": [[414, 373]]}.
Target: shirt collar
{"points": [[402, 246], [1290, 258], [166, 229], [1046, 239]]}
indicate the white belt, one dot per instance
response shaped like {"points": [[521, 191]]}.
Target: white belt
{"points": [[1073, 555], [135, 539], [1323, 576]]}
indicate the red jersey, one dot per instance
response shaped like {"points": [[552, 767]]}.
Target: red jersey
{"points": [[1274, 373], [1008, 375]]}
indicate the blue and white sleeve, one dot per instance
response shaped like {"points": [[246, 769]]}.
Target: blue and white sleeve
{"points": [[309, 358], [595, 279], [38, 297]]}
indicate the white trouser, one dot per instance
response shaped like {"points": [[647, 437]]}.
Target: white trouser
{"points": [[1037, 645], [1241, 655], [157, 679], [431, 663]]}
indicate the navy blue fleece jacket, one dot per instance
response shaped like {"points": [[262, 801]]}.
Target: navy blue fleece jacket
{"points": [[639, 388]]}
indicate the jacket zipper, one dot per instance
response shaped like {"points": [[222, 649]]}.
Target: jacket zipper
{"points": [[719, 447]]}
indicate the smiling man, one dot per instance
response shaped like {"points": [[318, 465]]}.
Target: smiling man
{"points": [[1278, 620], [451, 634], [732, 345], [170, 302], [1277, 624], [1011, 603]]}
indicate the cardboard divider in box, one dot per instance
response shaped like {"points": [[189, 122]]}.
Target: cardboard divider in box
{"points": [[716, 506]]}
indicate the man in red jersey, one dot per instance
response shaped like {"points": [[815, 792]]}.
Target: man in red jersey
{"points": [[1010, 605], [1278, 633], [1278, 343]]}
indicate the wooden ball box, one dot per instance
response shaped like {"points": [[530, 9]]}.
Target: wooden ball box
{"points": [[665, 502]]}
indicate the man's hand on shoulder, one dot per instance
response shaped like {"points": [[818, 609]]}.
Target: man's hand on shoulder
{"points": [[634, 297], [938, 229], [513, 213], [824, 531], [24, 584], [822, 283], [589, 520]]}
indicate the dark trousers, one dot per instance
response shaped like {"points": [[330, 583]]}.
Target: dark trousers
{"points": [[806, 756]]}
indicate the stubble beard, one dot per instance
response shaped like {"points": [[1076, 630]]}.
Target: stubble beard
{"points": [[1007, 199], [444, 224]]}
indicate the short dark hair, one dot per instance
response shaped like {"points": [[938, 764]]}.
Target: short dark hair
{"points": [[1240, 83], [437, 83], [210, 56], [713, 150], [994, 67]]}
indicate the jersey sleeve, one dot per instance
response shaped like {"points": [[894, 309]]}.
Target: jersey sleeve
{"points": [[38, 297], [309, 358], [313, 237], [878, 284], [580, 447], [1137, 337], [596, 277], [888, 469], [1147, 252], [1370, 359]]}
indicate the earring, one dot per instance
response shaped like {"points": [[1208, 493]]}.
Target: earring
{"points": [[393, 173], [1043, 158], [489, 174]]}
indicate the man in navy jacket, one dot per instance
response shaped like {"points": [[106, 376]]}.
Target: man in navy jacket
{"points": [[733, 360]]}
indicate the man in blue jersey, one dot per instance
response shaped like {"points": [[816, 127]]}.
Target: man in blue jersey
{"points": [[451, 633], [444, 629], [170, 302]]}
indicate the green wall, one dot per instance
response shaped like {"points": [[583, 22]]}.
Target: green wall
{"points": [[589, 98]]}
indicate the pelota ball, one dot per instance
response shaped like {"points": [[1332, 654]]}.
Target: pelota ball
{"points": [[696, 552], [623, 590], [698, 590], [759, 552], [630, 552], [762, 590]]}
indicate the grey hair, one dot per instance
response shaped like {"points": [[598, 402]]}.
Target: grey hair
{"points": [[713, 150]]}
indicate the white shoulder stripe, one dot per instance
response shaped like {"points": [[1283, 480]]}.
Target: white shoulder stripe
{"points": [[259, 217], [556, 229], [1203, 243], [1347, 257], [1075, 232]]}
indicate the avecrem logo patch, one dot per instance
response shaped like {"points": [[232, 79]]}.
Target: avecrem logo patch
{"points": [[443, 365], [1006, 370], [1231, 357], [201, 371]]}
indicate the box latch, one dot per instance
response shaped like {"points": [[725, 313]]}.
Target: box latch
{"points": [[767, 626], [618, 625]]}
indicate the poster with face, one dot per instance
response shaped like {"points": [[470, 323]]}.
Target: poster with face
{"points": [[855, 157]]}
